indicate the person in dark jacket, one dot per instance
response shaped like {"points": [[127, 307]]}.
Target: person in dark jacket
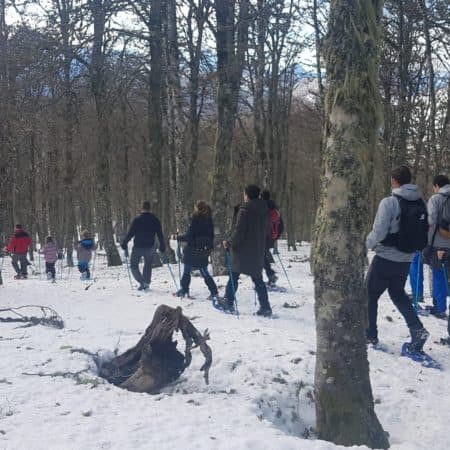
{"points": [[18, 247], [248, 246], [199, 241], [143, 229]]}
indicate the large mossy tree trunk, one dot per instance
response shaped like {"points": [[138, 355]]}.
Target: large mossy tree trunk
{"points": [[344, 402]]}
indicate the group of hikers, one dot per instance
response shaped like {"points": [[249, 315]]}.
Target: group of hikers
{"points": [[257, 224], [20, 244], [406, 233]]}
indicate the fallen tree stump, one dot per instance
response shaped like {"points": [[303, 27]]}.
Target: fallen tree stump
{"points": [[154, 361]]}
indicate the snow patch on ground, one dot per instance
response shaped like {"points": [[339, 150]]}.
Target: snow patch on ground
{"points": [[260, 394]]}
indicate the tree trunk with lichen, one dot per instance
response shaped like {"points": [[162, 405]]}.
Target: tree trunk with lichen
{"points": [[154, 361], [344, 402]]}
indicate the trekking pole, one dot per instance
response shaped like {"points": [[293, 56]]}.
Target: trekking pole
{"points": [[166, 260], [128, 268], [61, 266], [39, 260], [233, 287], [179, 260], [1, 268], [285, 273], [93, 265], [416, 296]]}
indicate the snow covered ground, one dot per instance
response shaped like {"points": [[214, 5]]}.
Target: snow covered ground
{"points": [[261, 381]]}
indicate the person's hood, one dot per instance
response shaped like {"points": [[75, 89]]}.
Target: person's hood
{"points": [[256, 206], [445, 190], [87, 243], [21, 233], [408, 192]]}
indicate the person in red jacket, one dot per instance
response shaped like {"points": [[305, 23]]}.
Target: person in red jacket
{"points": [[18, 247]]}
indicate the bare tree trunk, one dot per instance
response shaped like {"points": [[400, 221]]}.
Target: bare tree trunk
{"points": [[181, 152], [344, 403], [259, 116], [98, 81], [230, 61], [155, 107], [431, 89], [5, 129]]}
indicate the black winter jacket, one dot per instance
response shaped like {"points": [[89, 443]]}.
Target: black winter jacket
{"points": [[248, 240], [200, 241], [143, 229]]}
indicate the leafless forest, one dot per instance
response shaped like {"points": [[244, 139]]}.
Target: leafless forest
{"points": [[106, 103]]}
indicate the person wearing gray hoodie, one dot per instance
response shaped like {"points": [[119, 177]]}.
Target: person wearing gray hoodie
{"points": [[390, 266], [440, 243]]}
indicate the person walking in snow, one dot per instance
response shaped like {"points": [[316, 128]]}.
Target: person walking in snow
{"points": [[143, 229], [439, 242], [51, 255], [276, 228], [199, 241], [18, 247], [390, 266], [85, 248], [248, 246], [393, 253]]}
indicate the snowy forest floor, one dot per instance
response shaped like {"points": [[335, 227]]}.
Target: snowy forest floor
{"points": [[261, 381]]}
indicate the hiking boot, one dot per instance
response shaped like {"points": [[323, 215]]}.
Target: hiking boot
{"points": [[264, 312], [438, 314], [225, 304], [182, 293], [18, 276], [371, 338], [273, 279], [418, 339]]}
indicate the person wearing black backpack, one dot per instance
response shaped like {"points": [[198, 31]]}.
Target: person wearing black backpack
{"points": [[439, 242], [399, 230], [199, 244]]}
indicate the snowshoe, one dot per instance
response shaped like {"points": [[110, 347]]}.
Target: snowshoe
{"points": [[272, 287], [181, 293], [264, 312], [420, 356], [223, 305]]}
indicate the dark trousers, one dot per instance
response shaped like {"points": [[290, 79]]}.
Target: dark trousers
{"points": [[186, 279], [136, 255], [268, 260], [260, 287], [50, 268], [390, 275], [20, 263]]}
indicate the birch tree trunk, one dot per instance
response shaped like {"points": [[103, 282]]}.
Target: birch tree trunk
{"points": [[344, 403]]}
